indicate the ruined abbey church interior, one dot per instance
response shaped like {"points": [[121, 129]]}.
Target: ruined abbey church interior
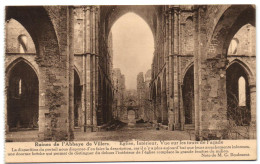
{"points": [[61, 84]]}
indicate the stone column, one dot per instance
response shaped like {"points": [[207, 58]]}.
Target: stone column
{"points": [[182, 113], [96, 64], [94, 51], [83, 95], [71, 72], [176, 67], [212, 107], [196, 75], [55, 90], [87, 126], [170, 71], [158, 108], [167, 88]]}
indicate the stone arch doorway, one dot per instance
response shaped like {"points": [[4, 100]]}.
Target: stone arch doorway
{"points": [[188, 96], [22, 97]]}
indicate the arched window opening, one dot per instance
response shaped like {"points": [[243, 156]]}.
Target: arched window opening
{"points": [[20, 87], [242, 91], [238, 95], [232, 50], [243, 42], [22, 39], [22, 98]]}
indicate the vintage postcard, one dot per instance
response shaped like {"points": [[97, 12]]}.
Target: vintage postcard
{"points": [[98, 83]]}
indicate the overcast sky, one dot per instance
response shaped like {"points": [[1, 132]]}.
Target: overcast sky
{"points": [[133, 47]]}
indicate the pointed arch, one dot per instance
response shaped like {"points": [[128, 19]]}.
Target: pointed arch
{"points": [[238, 112], [229, 23], [148, 13], [188, 96], [32, 18], [187, 68], [78, 74], [14, 63], [22, 95], [248, 70]]}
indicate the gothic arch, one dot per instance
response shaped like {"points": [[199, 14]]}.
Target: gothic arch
{"points": [[187, 67], [241, 115], [229, 23], [112, 13], [32, 18], [22, 95], [78, 73], [251, 76], [13, 64], [188, 96], [77, 99]]}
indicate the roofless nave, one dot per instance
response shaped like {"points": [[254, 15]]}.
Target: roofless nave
{"points": [[59, 69]]}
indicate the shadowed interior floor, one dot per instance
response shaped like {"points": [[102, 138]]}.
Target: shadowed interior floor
{"points": [[142, 131]]}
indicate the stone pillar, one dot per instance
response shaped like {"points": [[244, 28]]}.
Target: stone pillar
{"points": [[83, 95], [154, 111], [212, 98], [42, 106], [88, 94], [166, 59], [71, 72], [55, 91], [90, 67], [252, 130], [92, 76], [97, 88], [87, 126], [94, 67], [176, 67], [158, 108], [196, 75], [170, 71], [182, 113]]}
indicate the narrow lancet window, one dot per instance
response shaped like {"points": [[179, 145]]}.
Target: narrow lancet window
{"points": [[242, 91]]}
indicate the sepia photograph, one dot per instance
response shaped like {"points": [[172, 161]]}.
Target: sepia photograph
{"points": [[131, 75]]}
